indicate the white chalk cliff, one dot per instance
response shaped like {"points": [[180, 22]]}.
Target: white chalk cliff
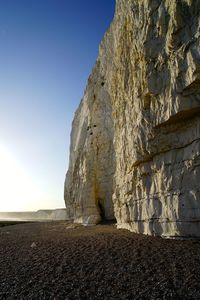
{"points": [[135, 141]]}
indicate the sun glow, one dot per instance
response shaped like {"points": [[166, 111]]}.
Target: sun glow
{"points": [[17, 191]]}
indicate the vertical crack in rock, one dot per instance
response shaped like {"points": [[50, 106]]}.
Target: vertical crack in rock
{"points": [[135, 142]]}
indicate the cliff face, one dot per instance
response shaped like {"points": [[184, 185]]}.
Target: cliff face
{"points": [[135, 142], [88, 185]]}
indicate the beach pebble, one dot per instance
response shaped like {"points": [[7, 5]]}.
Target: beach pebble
{"points": [[33, 245], [71, 226]]}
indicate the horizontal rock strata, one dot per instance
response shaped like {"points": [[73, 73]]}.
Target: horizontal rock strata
{"points": [[135, 142]]}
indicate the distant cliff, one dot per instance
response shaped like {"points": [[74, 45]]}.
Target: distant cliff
{"points": [[135, 141], [40, 215]]}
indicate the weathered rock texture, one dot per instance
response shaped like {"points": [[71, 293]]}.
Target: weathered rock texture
{"points": [[135, 141]]}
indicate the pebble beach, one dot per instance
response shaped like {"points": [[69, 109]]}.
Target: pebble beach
{"points": [[59, 260]]}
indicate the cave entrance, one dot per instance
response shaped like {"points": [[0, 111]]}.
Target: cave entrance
{"points": [[101, 208], [105, 217]]}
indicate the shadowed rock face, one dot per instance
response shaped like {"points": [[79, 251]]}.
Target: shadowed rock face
{"points": [[88, 185], [135, 141]]}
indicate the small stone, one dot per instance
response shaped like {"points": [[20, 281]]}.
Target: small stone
{"points": [[33, 245]]}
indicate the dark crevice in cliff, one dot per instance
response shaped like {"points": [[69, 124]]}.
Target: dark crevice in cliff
{"points": [[193, 88], [101, 209], [180, 116], [151, 157]]}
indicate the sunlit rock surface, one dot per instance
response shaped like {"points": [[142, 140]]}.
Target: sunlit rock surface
{"points": [[135, 142]]}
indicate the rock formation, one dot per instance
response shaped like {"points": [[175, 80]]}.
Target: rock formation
{"points": [[135, 141]]}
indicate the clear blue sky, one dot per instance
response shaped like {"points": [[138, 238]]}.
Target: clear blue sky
{"points": [[47, 51]]}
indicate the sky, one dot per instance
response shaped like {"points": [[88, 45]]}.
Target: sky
{"points": [[47, 51]]}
